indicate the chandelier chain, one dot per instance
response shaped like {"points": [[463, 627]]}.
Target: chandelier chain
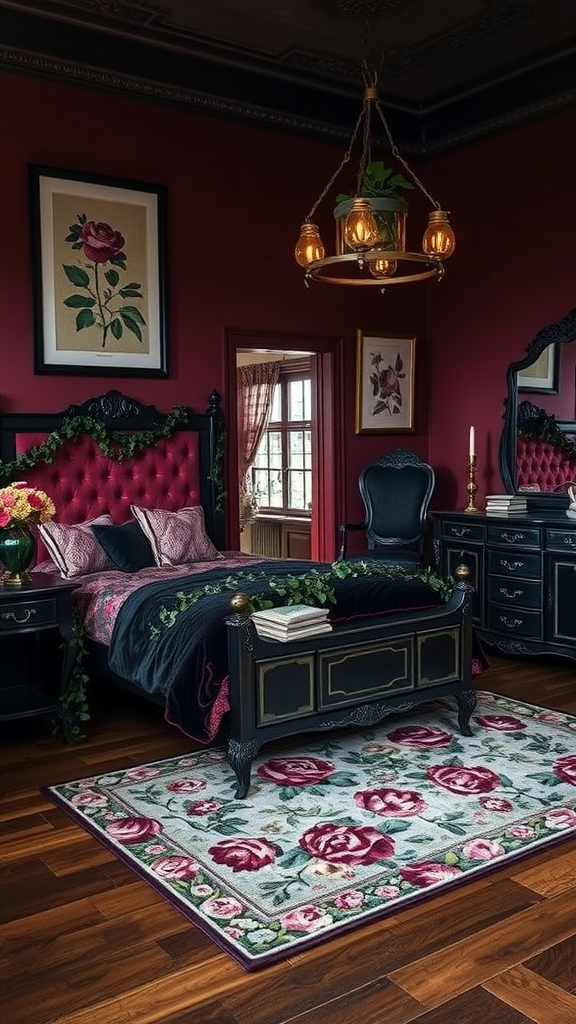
{"points": [[398, 156], [345, 159]]}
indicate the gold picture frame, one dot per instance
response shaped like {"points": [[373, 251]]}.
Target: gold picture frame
{"points": [[385, 375], [99, 274]]}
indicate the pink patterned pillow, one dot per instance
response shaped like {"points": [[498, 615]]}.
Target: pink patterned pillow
{"points": [[176, 537], [75, 549]]}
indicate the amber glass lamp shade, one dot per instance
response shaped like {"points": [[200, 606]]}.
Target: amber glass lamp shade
{"points": [[309, 246], [382, 268], [439, 239], [361, 229]]}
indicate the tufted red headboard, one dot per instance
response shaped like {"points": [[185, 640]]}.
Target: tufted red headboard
{"points": [[176, 471], [542, 464]]}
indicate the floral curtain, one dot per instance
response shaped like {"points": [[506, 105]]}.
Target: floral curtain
{"points": [[256, 384]]}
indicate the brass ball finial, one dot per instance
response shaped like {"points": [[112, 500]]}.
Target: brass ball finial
{"points": [[462, 573], [240, 604]]}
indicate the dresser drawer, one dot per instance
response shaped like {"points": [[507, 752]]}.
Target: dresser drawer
{"points": [[516, 563], [15, 615], [515, 621], [463, 531], [517, 592], [514, 536], [561, 540]]}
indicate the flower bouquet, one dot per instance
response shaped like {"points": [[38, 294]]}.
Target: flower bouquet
{"points": [[21, 507]]}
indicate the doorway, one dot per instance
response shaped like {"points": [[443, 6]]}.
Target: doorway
{"points": [[325, 354]]}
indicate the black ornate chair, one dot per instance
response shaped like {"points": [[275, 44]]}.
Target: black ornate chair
{"points": [[396, 490]]}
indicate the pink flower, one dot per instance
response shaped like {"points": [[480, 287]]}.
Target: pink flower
{"points": [[133, 830], [297, 771], [494, 803], [466, 781], [175, 867], [141, 774], [222, 906], [501, 723], [392, 803], [349, 900], [186, 786], [482, 849], [420, 736], [560, 818], [388, 383], [87, 799], [244, 854], [387, 892], [346, 844], [307, 918], [521, 832], [201, 807], [565, 768], [429, 872]]}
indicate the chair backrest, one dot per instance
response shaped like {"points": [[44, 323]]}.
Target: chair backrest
{"points": [[396, 490]]}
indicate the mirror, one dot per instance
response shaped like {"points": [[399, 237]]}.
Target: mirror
{"points": [[541, 411]]}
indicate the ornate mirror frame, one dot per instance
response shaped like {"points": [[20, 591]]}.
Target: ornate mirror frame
{"points": [[559, 333]]}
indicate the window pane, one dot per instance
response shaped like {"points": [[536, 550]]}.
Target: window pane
{"points": [[276, 413], [297, 400]]}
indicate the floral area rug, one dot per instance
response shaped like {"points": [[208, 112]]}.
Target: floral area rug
{"points": [[338, 829]]}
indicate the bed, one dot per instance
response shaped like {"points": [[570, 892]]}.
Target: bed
{"points": [[169, 618]]}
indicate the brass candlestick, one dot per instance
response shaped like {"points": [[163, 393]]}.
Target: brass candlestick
{"points": [[471, 485]]}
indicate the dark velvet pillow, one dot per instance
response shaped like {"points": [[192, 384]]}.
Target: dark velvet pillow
{"points": [[126, 545]]}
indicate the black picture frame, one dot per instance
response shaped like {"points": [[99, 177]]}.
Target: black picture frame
{"points": [[99, 274]]}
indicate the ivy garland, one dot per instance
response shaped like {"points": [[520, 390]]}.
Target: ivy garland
{"points": [[543, 427], [73, 707], [315, 587], [217, 474], [114, 444]]}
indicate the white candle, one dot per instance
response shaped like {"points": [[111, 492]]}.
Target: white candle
{"points": [[471, 448]]}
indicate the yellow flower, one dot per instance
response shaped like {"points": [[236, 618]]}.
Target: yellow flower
{"points": [[21, 504]]}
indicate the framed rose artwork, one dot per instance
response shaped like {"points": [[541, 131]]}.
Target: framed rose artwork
{"points": [[99, 275], [385, 366]]}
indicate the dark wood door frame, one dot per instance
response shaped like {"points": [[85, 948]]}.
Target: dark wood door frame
{"points": [[326, 428]]}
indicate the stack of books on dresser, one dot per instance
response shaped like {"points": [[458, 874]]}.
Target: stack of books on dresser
{"points": [[291, 622], [505, 504]]}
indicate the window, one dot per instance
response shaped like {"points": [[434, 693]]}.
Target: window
{"points": [[282, 471]]}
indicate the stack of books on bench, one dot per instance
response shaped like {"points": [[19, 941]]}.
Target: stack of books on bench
{"points": [[505, 504], [291, 622]]}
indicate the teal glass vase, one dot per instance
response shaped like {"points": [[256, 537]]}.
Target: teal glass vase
{"points": [[17, 553]]}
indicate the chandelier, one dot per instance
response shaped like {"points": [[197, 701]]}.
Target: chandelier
{"points": [[370, 228]]}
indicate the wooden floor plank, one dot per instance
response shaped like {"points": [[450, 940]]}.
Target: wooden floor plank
{"points": [[543, 1002]]}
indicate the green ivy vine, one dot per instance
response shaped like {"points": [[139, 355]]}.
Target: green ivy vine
{"points": [[315, 587], [73, 705], [543, 427], [216, 476], [115, 445]]}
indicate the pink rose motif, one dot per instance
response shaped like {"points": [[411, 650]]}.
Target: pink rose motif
{"points": [[387, 892], [521, 832], [428, 872], [90, 800], [244, 854], [141, 774], [133, 830], [501, 723], [296, 771], [550, 716], [222, 906], [466, 781], [392, 803], [201, 807], [186, 786], [180, 868], [349, 900], [346, 844], [560, 818], [101, 243], [565, 768], [388, 382], [308, 918], [420, 736], [494, 803], [482, 849]]}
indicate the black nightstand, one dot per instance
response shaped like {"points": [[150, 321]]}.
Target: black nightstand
{"points": [[36, 653]]}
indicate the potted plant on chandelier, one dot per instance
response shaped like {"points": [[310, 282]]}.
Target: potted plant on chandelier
{"points": [[376, 217]]}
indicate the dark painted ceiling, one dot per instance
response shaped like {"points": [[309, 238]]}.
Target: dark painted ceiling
{"points": [[451, 71]]}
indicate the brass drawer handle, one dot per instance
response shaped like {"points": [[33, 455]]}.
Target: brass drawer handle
{"points": [[12, 616], [460, 531]]}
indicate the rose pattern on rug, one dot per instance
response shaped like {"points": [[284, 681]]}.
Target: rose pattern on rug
{"points": [[341, 828]]}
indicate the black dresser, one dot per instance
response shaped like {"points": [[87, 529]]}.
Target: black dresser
{"points": [[523, 569]]}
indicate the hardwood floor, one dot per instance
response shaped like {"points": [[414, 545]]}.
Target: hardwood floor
{"points": [[83, 940]]}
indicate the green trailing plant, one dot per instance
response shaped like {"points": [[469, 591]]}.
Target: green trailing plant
{"points": [[379, 182], [216, 476], [315, 587], [116, 445], [544, 427], [73, 704]]}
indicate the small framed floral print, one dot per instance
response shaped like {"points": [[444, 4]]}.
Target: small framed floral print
{"points": [[99, 275], [385, 383]]}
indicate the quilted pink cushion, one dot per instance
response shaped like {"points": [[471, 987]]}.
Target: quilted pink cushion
{"points": [[75, 549], [176, 537]]}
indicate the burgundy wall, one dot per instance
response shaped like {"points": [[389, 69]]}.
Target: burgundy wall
{"points": [[237, 196]]}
